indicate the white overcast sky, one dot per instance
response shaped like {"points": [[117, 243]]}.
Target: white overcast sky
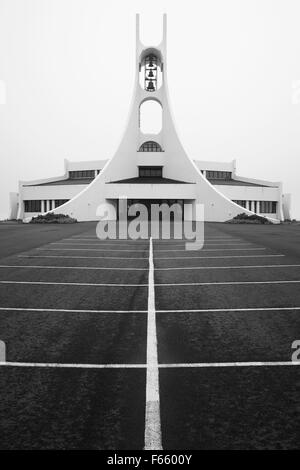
{"points": [[67, 72]]}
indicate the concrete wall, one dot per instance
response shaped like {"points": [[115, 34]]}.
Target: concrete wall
{"points": [[13, 205], [85, 165], [250, 193], [150, 191], [67, 191], [286, 206], [150, 158]]}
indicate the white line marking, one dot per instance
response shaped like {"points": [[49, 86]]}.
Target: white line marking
{"points": [[109, 240], [88, 284], [146, 269], [120, 244], [231, 267], [218, 249], [154, 240], [214, 257], [93, 244], [63, 310], [225, 283], [73, 366], [74, 267], [164, 284], [232, 364], [156, 257], [87, 249], [143, 366], [85, 257], [152, 414], [216, 310], [143, 251], [209, 310]]}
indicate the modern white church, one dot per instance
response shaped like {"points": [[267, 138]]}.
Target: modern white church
{"points": [[150, 168]]}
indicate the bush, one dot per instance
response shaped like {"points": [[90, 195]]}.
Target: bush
{"points": [[248, 219], [51, 218], [11, 221], [290, 221]]}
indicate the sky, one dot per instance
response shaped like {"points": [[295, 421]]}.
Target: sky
{"points": [[67, 75]]}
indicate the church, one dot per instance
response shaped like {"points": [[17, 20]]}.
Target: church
{"points": [[151, 167]]}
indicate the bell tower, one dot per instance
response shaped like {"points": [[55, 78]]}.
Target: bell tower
{"points": [[150, 69], [151, 165]]}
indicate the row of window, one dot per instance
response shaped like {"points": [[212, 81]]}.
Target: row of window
{"points": [[218, 175], [33, 206], [36, 205], [78, 174], [59, 202], [261, 207], [150, 171], [268, 207], [148, 202]]}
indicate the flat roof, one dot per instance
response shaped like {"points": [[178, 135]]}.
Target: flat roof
{"points": [[64, 182], [232, 182]]}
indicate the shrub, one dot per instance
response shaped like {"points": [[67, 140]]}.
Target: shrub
{"points": [[290, 221], [51, 218], [248, 219]]}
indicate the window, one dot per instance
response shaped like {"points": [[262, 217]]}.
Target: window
{"points": [[150, 146], [218, 175], [33, 206], [240, 203], [268, 207], [81, 174], [60, 202], [150, 171]]}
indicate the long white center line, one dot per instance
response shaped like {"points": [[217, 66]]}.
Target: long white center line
{"points": [[152, 414]]}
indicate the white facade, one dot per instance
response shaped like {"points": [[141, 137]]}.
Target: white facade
{"points": [[175, 176]]}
